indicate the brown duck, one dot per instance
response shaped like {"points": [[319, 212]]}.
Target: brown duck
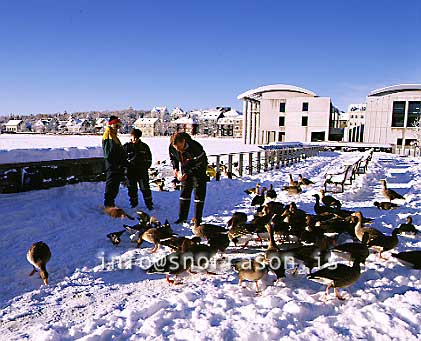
{"points": [[390, 193]]}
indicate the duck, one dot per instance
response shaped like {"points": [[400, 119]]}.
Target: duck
{"points": [[38, 255], [318, 209], [274, 257], [160, 183], [352, 251], [384, 243], [408, 227], [254, 190], [292, 182], [175, 242], [329, 200], [271, 193], [390, 193], [359, 230], [410, 259], [154, 235], [292, 189], [237, 218], [337, 276], [115, 237], [259, 199], [116, 212], [143, 217], [250, 269], [385, 205], [273, 207], [303, 181]]}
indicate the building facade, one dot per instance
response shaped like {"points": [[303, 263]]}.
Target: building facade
{"points": [[355, 123], [13, 126], [287, 113], [392, 113], [148, 126]]}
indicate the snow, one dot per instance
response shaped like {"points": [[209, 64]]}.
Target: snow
{"points": [[34, 147], [92, 297]]}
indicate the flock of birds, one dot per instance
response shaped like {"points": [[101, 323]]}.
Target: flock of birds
{"points": [[294, 237]]}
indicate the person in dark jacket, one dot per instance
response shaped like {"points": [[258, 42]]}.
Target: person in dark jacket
{"points": [[140, 160], [189, 162], [115, 160]]}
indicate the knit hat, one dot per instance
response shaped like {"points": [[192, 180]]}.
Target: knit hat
{"points": [[113, 119]]}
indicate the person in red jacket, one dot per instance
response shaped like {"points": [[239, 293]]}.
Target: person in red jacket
{"points": [[139, 161]]}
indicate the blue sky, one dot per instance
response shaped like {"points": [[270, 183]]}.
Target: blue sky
{"points": [[97, 55]]}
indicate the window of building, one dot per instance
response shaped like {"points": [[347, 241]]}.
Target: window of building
{"points": [[399, 142], [282, 107], [398, 114], [305, 106], [317, 136], [281, 136], [304, 121], [414, 113], [410, 142], [282, 121]]}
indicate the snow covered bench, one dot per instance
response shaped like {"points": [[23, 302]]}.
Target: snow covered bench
{"points": [[340, 178]]}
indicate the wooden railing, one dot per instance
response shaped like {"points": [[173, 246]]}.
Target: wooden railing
{"points": [[25, 176]]}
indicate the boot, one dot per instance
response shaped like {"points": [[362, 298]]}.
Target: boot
{"points": [[198, 211], [183, 211]]}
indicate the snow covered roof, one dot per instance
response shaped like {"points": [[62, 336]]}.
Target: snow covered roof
{"points": [[232, 113], [13, 122], [185, 120], [230, 120], [274, 87], [146, 120], [394, 88], [357, 107]]}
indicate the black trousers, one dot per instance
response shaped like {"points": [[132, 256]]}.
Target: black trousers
{"points": [[199, 186], [141, 180], [113, 178]]}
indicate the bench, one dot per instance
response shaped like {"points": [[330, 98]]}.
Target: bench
{"points": [[340, 178]]}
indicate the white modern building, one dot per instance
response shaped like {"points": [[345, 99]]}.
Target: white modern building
{"points": [[391, 114], [355, 122], [288, 113]]}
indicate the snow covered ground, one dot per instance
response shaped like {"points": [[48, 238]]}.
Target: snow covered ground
{"points": [[94, 301], [34, 147]]}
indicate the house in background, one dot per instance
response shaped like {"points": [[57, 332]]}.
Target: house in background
{"points": [[355, 122], [187, 124], [231, 125], [14, 126], [288, 113], [391, 114], [148, 126]]}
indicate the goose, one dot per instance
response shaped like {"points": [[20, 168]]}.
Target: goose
{"points": [[116, 212], [390, 193], [337, 276], [143, 217], [385, 205], [206, 230], [175, 242], [154, 235], [115, 237], [292, 182], [408, 227], [384, 243], [353, 251], [292, 189], [237, 218], [271, 193], [304, 181], [274, 207], [38, 255], [254, 190], [250, 269], [359, 230], [274, 256], [318, 209], [330, 201], [259, 199], [411, 259]]}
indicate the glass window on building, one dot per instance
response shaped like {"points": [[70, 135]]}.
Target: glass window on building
{"points": [[282, 107], [282, 121], [414, 113], [399, 142], [304, 121], [398, 114], [305, 106]]}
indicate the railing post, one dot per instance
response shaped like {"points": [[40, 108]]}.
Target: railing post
{"points": [[250, 163], [258, 165], [218, 161], [240, 164], [230, 163], [278, 158]]}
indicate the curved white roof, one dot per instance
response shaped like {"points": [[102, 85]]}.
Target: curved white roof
{"points": [[395, 88], [274, 87]]}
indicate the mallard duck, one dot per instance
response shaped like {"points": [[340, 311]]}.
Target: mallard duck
{"points": [[390, 193], [359, 230], [116, 212], [292, 182], [318, 209], [411, 259], [337, 276], [250, 269], [115, 237], [384, 243], [330, 201], [408, 227], [385, 205], [155, 234], [271, 194], [254, 190], [303, 181], [38, 255]]}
